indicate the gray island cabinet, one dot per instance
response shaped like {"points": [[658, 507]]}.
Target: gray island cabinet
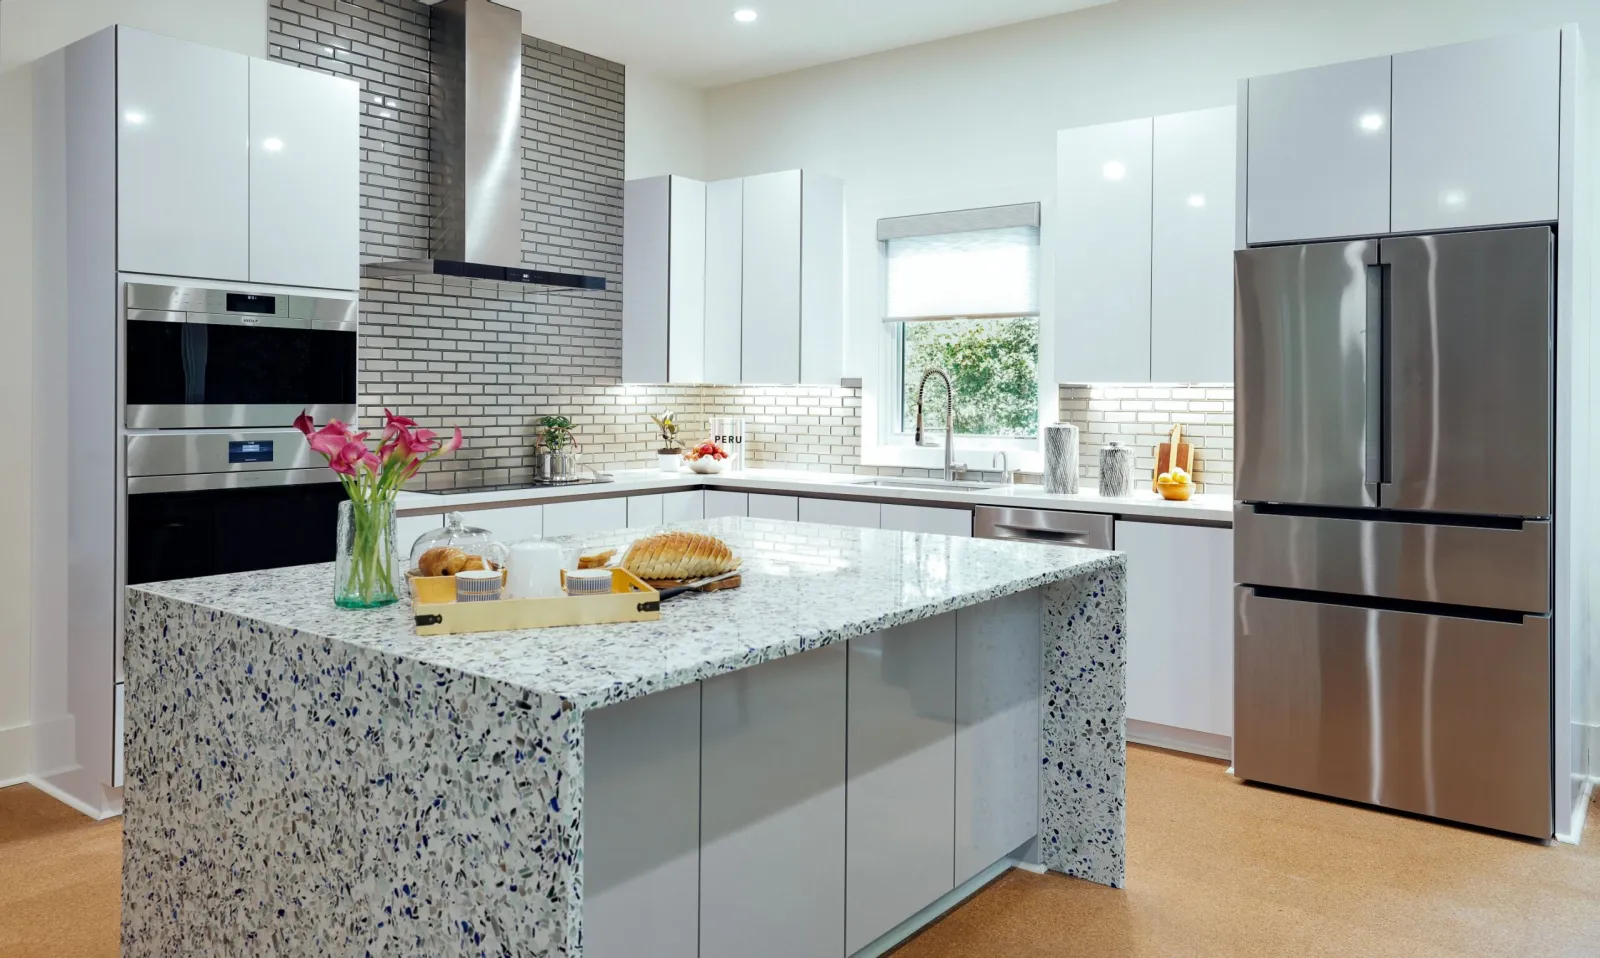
{"points": [[813, 765]]}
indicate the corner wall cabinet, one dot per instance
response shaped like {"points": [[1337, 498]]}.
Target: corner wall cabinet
{"points": [[663, 280]]}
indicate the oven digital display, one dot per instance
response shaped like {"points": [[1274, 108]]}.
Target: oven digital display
{"points": [[246, 303], [255, 450]]}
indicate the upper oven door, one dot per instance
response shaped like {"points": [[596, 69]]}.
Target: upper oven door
{"points": [[206, 358]]}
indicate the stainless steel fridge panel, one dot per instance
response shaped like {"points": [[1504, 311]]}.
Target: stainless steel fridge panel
{"points": [[1470, 390], [1441, 716], [1491, 568], [1301, 365]]}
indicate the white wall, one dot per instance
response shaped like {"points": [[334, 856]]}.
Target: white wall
{"points": [[28, 30], [665, 127]]}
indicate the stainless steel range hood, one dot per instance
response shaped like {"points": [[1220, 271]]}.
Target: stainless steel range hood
{"points": [[477, 137]]}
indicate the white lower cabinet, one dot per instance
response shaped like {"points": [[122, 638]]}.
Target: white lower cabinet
{"points": [[641, 836], [511, 524], [1180, 634], [644, 511], [902, 759], [840, 512], [720, 503], [408, 529], [683, 506], [584, 517], [774, 507], [772, 809], [945, 522]]}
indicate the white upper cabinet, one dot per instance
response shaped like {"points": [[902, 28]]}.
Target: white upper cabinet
{"points": [[1193, 218], [1477, 133], [183, 162], [771, 306], [1103, 195], [821, 280], [664, 280], [1318, 154], [305, 178], [724, 280]]}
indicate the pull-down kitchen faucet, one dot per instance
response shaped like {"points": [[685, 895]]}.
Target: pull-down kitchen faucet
{"points": [[952, 469]]}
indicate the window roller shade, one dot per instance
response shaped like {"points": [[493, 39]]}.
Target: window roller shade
{"points": [[977, 273]]}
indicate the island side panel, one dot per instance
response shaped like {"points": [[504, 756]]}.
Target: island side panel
{"points": [[290, 795], [1083, 813]]}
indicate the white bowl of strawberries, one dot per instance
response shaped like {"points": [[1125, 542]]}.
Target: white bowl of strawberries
{"points": [[706, 458]]}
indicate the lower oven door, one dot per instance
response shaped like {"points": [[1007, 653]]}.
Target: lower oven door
{"points": [[180, 527], [1430, 713]]}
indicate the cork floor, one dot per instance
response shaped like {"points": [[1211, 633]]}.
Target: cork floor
{"points": [[1214, 868]]}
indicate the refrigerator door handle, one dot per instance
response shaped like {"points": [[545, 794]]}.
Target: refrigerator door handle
{"points": [[1377, 350]]}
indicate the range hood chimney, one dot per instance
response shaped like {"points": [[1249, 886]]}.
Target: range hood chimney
{"points": [[476, 229]]}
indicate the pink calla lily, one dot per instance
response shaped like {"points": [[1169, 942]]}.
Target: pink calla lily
{"points": [[453, 444], [303, 422], [368, 475]]}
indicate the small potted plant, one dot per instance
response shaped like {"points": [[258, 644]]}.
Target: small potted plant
{"points": [[706, 458], [671, 452], [558, 460]]}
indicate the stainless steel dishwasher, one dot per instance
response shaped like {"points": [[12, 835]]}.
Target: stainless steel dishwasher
{"points": [[1084, 530]]}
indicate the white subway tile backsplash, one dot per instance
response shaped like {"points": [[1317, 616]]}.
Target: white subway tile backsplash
{"points": [[1105, 414]]}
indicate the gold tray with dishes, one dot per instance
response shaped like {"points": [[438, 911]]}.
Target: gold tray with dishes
{"points": [[438, 613]]}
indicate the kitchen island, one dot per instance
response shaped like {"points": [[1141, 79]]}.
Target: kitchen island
{"points": [[304, 780]]}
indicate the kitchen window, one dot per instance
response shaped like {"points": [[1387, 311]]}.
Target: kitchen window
{"points": [[962, 295]]}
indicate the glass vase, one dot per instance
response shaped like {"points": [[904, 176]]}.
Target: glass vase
{"points": [[365, 564]]}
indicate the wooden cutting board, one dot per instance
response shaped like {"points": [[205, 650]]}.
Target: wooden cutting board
{"points": [[732, 582], [1173, 452]]}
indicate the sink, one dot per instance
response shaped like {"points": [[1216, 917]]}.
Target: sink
{"points": [[890, 483]]}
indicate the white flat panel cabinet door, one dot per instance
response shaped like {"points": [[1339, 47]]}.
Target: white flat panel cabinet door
{"points": [[1477, 133], [511, 524], [582, 518], [641, 836], [305, 178], [408, 529], [183, 158], [945, 522], [900, 796], [997, 729], [841, 512], [1319, 153], [683, 506], [1103, 253], [646, 262], [772, 809], [724, 280], [1180, 625], [644, 512], [771, 295], [686, 282], [774, 507], [821, 279], [720, 503], [1193, 218]]}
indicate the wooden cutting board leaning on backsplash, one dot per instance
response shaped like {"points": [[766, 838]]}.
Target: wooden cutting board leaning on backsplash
{"points": [[1174, 452]]}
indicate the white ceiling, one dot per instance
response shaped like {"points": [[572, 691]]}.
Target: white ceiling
{"points": [[698, 43]]}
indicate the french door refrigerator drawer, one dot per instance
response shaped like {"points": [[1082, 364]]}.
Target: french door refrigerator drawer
{"points": [[1489, 567], [1442, 716]]}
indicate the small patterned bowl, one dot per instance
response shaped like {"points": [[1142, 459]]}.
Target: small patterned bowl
{"points": [[479, 585], [588, 581]]}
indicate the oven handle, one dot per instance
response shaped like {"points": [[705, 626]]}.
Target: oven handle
{"points": [[243, 479]]}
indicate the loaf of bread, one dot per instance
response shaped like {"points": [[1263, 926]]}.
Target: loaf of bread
{"points": [[679, 555]]}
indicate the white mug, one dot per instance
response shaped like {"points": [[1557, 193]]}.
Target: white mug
{"points": [[534, 571]]}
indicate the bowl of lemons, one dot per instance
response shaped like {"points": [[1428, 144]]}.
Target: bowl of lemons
{"points": [[1176, 485]]}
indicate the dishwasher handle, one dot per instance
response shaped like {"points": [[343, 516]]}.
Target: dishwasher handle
{"points": [[1083, 530]]}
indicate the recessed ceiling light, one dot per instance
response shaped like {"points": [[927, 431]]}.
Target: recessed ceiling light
{"points": [[272, 144], [1197, 200], [1114, 170], [134, 117], [1453, 198], [745, 16], [1371, 122]]}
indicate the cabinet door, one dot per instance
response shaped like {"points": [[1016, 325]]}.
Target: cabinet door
{"points": [[646, 260], [1180, 625], [511, 524], [821, 280], [686, 282], [1477, 133], [1191, 250], [724, 280], [1319, 153], [1103, 253], [183, 158], [841, 512], [582, 518], [770, 347], [720, 503], [408, 529], [772, 809], [900, 795], [305, 178], [683, 506], [945, 522], [644, 512], [774, 507]]}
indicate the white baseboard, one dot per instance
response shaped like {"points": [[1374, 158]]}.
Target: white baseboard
{"points": [[16, 754], [1580, 813], [1180, 739], [114, 804]]}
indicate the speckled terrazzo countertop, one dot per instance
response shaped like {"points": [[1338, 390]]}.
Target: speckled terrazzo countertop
{"points": [[805, 586]]}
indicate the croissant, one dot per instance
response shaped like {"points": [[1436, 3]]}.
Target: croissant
{"points": [[679, 555]]}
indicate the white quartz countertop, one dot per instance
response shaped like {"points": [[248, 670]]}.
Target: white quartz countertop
{"points": [[1209, 507], [805, 586]]}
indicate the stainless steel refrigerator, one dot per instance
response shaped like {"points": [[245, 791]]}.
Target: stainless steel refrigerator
{"points": [[1393, 525]]}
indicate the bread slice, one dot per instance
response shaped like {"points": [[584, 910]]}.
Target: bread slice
{"points": [[679, 555]]}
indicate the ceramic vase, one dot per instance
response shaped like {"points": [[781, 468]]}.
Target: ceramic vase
{"points": [[1061, 458]]}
